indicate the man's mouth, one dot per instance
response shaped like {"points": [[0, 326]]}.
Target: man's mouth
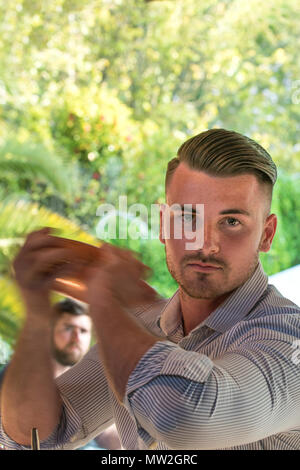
{"points": [[202, 266], [73, 346]]}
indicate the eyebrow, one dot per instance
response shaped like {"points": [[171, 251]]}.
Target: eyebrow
{"points": [[192, 210], [235, 211], [76, 326], [226, 211]]}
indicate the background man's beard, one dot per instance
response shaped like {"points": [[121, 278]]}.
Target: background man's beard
{"points": [[202, 287], [65, 358]]}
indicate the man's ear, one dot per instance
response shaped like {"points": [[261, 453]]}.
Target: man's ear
{"points": [[268, 233], [161, 225]]}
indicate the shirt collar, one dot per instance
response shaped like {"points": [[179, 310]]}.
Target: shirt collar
{"points": [[237, 306], [171, 318]]}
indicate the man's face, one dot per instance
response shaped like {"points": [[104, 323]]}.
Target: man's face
{"points": [[71, 338], [232, 239]]}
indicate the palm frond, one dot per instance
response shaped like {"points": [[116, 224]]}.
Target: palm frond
{"points": [[36, 161]]}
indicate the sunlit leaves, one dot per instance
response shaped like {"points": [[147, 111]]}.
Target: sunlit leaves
{"points": [[115, 86]]}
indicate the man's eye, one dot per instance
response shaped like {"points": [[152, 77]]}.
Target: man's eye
{"points": [[233, 222], [182, 217], [187, 217], [68, 328]]}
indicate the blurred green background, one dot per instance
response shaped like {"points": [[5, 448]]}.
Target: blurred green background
{"points": [[96, 96]]}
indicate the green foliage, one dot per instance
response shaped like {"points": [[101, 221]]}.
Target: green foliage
{"points": [[96, 97], [285, 250], [18, 218], [11, 311], [5, 353], [22, 163]]}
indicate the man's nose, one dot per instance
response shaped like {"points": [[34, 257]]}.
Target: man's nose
{"points": [[75, 334], [210, 242]]}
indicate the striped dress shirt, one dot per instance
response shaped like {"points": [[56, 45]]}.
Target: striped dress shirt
{"points": [[232, 383]]}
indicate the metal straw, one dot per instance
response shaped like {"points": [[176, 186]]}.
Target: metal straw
{"points": [[35, 442]]}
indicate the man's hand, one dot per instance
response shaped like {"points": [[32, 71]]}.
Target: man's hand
{"points": [[114, 282], [43, 258], [117, 277]]}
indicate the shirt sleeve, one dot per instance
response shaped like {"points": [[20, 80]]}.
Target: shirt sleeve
{"points": [[86, 407], [188, 401]]}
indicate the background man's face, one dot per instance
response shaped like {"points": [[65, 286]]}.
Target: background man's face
{"points": [[71, 338], [232, 241]]}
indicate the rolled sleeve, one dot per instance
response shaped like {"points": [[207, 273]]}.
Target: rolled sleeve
{"points": [[86, 410], [155, 373], [167, 358], [64, 432], [182, 399]]}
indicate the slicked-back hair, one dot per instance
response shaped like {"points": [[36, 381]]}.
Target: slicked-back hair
{"points": [[224, 153]]}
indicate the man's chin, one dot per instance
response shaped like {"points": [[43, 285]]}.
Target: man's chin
{"points": [[199, 293], [197, 288], [67, 359], [202, 289], [74, 358]]}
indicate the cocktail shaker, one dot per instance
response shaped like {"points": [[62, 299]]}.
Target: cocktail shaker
{"points": [[73, 285]]}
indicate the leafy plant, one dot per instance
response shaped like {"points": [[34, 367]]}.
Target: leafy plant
{"points": [[17, 219]]}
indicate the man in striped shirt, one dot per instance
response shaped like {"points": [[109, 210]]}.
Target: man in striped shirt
{"points": [[214, 367]]}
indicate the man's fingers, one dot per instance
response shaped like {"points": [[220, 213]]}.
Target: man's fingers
{"points": [[47, 255], [41, 240], [125, 260], [41, 243], [125, 286], [37, 269], [37, 234], [52, 257]]}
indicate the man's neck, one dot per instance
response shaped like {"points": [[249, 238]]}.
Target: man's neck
{"points": [[195, 311], [59, 369]]}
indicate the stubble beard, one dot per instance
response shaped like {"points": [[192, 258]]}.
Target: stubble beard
{"points": [[66, 358], [204, 285]]}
